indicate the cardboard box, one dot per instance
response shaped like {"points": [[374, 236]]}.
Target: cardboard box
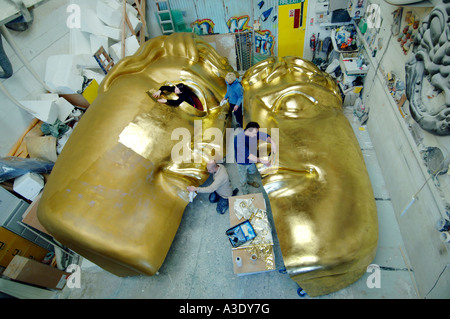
{"points": [[33, 272]]}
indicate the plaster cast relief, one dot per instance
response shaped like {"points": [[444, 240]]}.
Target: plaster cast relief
{"points": [[430, 62]]}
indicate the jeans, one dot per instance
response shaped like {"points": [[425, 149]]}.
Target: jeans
{"points": [[237, 114], [243, 171], [222, 203], [6, 69]]}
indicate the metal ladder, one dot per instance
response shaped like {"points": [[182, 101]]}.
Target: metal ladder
{"points": [[165, 17]]}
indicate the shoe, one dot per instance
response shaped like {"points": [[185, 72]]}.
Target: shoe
{"points": [[235, 191], [221, 210], [253, 184]]}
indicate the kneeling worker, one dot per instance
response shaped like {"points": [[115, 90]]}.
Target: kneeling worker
{"points": [[220, 188]]}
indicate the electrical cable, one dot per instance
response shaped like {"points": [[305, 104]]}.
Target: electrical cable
{"points": [[437, 280]]}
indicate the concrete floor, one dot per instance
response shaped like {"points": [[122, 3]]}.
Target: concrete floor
{"points": [[199, 263]]}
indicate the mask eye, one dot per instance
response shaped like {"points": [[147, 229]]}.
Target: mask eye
{"points": [[198, 109]]}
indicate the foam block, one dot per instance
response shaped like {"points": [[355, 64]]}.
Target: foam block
{"points": [[29, 185], [62, 75], [64, 109], [79, 42], [110, 32], [46, 111], [109, 12], [63, 106], [48, 96], [98, 41], [90, 23], [131, 46]]}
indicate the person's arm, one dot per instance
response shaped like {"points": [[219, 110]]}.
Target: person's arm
{"points": [[211, 188], [265, 137], [167, 88], [219, 179], [227, 95], [157, 94], [173, 102], [192, 188], [272, 144], [255, 159], [240, 93], [181, 97]]}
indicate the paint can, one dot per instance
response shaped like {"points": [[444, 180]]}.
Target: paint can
{"points": [[443, 224], [445, 237], [238, 261]]}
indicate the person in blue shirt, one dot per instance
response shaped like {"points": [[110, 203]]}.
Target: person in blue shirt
{"points": [[246, 154], [235, 96]]}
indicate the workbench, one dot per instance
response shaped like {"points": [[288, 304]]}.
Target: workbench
{"points": [[257, 254]]}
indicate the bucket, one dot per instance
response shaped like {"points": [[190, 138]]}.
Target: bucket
{"points": [[445, 237], [238, 261], [443, 224]]}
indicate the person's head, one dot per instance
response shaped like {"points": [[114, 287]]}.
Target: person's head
{"points": [[230, 77], [212, 167], [179, 88], [251, 129]]}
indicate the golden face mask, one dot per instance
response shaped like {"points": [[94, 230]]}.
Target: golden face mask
{"points": [[319, 190], [116, 197]]}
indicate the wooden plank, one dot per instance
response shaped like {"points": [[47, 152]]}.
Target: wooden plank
{"points": [[30, 216], [124, 3], [23, 291], [143, 30], [33, 272]]}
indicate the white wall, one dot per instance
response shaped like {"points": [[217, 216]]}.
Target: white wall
{"points": [[48, 35], [404, 169]]}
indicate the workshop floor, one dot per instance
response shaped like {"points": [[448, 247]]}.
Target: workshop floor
{"points": [[199, 263]]}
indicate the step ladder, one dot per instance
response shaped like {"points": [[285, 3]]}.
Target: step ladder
{"points": [[165, 17], [104, 60]]}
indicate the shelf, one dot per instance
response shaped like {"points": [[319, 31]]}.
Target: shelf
{"points": [[350, 67]]}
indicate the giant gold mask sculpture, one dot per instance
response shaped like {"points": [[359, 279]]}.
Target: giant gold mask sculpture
{"points": [[116, 197], [319, 190]]}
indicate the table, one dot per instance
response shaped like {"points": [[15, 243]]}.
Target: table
{"points": [[10, 11], [256, 255]]}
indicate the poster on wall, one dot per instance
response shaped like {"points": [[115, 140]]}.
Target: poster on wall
{"points": [[356, 8]]}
